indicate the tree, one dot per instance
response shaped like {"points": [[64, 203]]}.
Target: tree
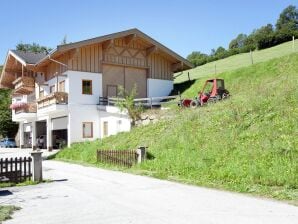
{"points": [[264, 36], [249, 44], [126, 102], [64, 40], [197, 58], [8, 128], [34, 47], [288, 19], [221, 53], [238, 42]]}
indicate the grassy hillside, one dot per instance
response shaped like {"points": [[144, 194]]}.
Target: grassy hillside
{"points": [[248, 143], [238, 61]]}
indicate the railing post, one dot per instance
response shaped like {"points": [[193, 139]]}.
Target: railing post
{"points": [[36, 166], [141, 152], [151, 103]]}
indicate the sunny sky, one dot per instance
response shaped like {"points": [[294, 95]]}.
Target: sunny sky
{"points": [[183, 26]]}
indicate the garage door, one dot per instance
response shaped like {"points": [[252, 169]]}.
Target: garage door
{"points": [[136, 76], [59, 123], [114, 76]]}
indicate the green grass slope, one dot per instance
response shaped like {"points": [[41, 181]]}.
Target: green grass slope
{"points": [[248, 143], [238, 61]]}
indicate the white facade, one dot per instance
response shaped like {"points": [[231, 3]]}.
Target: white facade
{"points": [[159, 87], [81, 109], [75, 87]]}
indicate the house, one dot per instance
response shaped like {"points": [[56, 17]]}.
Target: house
{"points": [[56, 96]]}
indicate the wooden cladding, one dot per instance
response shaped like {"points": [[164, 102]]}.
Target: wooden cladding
{"points": [[160, 67], [85, 59], [129, 51], [24, 85], [27, 108], [53, 98]]}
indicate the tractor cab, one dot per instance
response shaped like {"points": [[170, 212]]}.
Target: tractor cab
{"points": [[214, 89]]}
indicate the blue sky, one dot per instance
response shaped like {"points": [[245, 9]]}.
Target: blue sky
{"points": [[182, 25]]}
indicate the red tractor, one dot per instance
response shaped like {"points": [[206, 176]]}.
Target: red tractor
{"points": [[213, 91]]}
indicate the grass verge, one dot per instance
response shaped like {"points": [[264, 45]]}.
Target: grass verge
{"points": [[248, 143], [6, 211]]}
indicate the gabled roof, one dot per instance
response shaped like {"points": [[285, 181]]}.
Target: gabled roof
{"points": [[138, 33], [27, 57]]}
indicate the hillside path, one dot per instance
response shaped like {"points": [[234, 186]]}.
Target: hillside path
{"points": [[91, 195]]}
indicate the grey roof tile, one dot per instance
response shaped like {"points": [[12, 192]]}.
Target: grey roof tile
{"points": [[29, 57]]}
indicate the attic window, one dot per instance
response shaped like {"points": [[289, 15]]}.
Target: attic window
{"points": [[87, 87]]}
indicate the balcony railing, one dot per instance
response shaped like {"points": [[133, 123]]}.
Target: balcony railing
{"points": [[53, 98], [24, 85], [21, 107]]}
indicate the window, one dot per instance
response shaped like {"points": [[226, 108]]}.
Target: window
{"points": [[87, 87], [105, 129], [52, 88], [62, 86], [41, 93], [87, 130]]}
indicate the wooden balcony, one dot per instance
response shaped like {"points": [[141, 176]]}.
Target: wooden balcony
{"points": [[24, 85], [53, 98], [26, 108]]}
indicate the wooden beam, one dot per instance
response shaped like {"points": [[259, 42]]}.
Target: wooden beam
{"points": [[177, 66], [13, 70], [108, 44], [151, 50], [128, 39]]}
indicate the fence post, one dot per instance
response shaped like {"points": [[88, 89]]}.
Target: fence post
{"points": [[251, 57], [141, 152], [36, 166]]}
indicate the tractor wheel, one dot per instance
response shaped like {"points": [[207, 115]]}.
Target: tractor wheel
{"points": [[194, 104], [212, 100], [224, 96]]}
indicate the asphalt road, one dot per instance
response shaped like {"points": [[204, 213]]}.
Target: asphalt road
{"points": [[90, 195]]}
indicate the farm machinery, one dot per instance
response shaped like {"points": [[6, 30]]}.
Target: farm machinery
{"points": [[213, 91]]}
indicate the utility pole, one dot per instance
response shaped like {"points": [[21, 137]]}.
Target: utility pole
{"points": [[251, 58]]}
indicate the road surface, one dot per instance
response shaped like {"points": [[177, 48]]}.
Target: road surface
{"points": [[88, 195]]}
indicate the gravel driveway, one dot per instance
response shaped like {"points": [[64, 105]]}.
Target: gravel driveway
{"points": [[90, 195]]}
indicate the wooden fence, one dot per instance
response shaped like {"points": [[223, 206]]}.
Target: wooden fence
{"points": [[118, 157], [15, 170]]}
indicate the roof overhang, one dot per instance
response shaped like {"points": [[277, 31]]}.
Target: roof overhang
{"points": [[128, 34]]}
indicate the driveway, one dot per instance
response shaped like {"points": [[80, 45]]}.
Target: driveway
{"points": [[90, 195], [17, 152]]}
